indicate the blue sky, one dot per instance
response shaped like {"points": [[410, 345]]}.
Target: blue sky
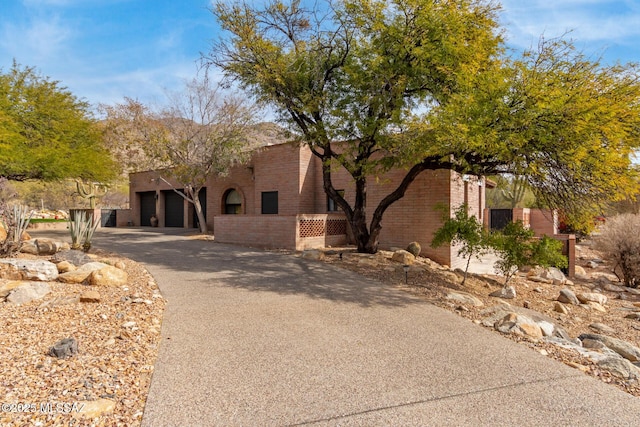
{"points": [[103, 50]]}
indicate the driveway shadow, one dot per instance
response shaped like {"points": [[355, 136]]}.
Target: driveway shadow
{"points": [[207, 263]]}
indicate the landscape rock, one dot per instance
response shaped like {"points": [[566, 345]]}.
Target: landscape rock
{"points": [[29, 248], [76, 258], [28, 292], [568, 297], [613, 288], [623, 348], [47, 247], [107, 276], [507, 292], [553, 273], [6, 286], [65, 267], [635, 316], [32, 269], [620, 368], [64, 348], [586, 297], [514, 323], [579, 270], [95, 408], [558, 307], [601, 327], [312, 254], [594, 305], [82, 273], [90, 296], [403, 257], [464, 298]]}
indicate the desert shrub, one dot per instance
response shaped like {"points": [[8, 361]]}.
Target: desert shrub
{"points": [[463, 230], [14, 220], [619, 240], [414, 248], [516, 247]]}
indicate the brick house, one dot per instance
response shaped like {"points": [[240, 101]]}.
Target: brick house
{"points": [[277, 200]]}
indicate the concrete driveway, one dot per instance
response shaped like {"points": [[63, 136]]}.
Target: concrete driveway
{"points": [[255, 338]]}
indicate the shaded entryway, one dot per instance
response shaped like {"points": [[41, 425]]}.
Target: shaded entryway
{"points": [[147, 207]]}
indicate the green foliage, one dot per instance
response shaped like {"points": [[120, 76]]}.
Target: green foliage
{"points": [[46, 133], [427, 85], [81, 227], [463, 230], [510, 192], [516, 247]]}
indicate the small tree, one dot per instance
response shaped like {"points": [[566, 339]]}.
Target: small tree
{"points": [[463, 230], [200, 134], [620, 241], [516, 247]]}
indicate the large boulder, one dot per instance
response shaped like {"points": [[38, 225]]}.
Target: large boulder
{"points": [[32, 269], [403, 257], [6, 286], [82, 273], [514, 323], [108, 276], [586, 297], [464, 298], [623, 348], [567, 296]]}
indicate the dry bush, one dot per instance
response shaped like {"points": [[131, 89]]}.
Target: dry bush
{"points": [[620, 241]]}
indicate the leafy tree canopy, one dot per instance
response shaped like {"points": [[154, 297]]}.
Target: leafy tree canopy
{"points": [[426, 84], [46, 133]]}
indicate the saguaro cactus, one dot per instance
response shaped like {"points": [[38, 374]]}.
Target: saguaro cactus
{"points": [[91, 191]]}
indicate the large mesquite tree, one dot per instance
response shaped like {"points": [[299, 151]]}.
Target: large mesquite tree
{"points": [[371, 85], [47, 133]]}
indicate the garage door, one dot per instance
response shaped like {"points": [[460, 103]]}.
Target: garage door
{"points": [[173, 209], [147, 207]]}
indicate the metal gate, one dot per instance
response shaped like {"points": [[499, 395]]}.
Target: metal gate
{"points": [[500, 218], [108, 218]]}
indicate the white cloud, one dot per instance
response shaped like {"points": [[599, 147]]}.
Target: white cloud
{"points": [[38, 40], [590, 21]]}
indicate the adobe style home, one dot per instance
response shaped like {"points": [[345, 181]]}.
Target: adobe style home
{"points": [[276, 200]]}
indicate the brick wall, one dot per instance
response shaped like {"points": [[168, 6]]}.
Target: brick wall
{"points": [[544, 221], [266, 231], [296, 174]]}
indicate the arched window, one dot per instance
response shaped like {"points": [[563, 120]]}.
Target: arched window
{"points": [[232, 202]]}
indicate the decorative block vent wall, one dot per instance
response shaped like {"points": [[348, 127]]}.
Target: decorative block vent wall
{"points": [[312, 228], [336, 227]]}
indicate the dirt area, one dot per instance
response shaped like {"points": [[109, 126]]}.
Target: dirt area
{"points": [[432, 282], [117, 340]]}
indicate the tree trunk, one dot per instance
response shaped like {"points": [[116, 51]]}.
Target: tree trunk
{"points": [[194, 198]]}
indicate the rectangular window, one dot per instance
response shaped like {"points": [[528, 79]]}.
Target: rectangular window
{"points": [[333, 206], [269, 202]]}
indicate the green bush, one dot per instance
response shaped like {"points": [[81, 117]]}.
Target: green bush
{"points": [[516, 247], [463, 230]]}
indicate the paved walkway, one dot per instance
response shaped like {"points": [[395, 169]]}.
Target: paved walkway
{"points": [[253, 338]]}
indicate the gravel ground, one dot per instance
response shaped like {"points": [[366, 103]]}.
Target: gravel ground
{"points": [[117, 346]]}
